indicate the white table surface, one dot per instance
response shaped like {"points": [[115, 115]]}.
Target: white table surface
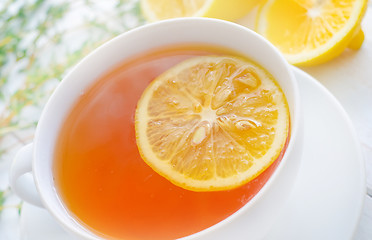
{"points": [[348, 78]]}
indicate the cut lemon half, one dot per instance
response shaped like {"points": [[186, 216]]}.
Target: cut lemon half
{"points": [[212, 123], [310, 32], [155, 10]]}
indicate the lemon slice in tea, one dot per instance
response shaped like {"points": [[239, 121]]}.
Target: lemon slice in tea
{"points": [[212, 123]]}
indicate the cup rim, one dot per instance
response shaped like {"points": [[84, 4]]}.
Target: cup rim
{"points": [[294, 130]]}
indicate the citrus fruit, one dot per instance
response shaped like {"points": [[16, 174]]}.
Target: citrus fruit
{"points": [[155, 10], [212, 123], [310, 32]]}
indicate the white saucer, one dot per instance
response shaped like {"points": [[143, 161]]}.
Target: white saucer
{"points": [[328, 198]]}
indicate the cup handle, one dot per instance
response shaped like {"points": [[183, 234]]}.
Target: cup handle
{"points": [[21, 180]]}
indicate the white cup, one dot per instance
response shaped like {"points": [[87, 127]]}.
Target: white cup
{"points": [[251, 221]]}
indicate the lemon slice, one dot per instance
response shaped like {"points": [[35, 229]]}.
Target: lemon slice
{"points": [[155, 10], [212, 123], [310, 32]]}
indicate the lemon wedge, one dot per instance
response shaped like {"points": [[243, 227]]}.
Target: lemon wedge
{"points": [[155, 10], [310, 32]]}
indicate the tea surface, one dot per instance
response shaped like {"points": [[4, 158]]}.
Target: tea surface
{"points": [[101, 177]]}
